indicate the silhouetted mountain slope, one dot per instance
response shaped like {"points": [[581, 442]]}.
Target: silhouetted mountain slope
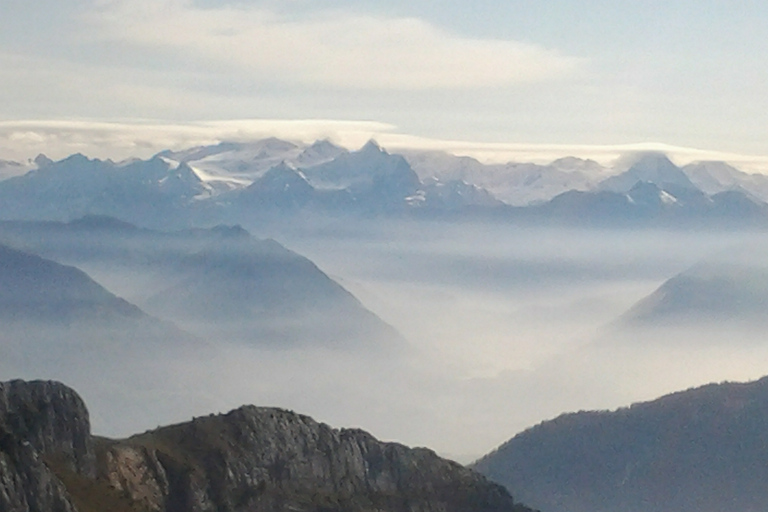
{"points": [[709, 292], [251, 459], [55, 314], [257, 291], [221, 283], [34, 289], [701, 450], [40, 290]]}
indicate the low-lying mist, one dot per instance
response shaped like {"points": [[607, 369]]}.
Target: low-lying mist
{"points": [[513, 326], [504, 327]]}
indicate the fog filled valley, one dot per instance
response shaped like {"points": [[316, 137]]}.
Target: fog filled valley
{"points": [[510, 326], [494, 328], [414, 306], [383, 256]]}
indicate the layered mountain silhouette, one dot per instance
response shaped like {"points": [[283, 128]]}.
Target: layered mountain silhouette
{"points": [[58, 322], [701, 450], [256, 291], [39, 293], [220, 283], [276, 180], [41, 290]]}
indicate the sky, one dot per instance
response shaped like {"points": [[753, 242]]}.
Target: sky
{"points": [[129, 76]]}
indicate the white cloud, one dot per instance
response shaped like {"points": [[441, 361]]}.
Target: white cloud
{"points": [[20, 140], [331, 50]]}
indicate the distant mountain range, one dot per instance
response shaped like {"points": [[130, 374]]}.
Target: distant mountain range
{"points": [[514, 184], [701, 450], [274, 179]]}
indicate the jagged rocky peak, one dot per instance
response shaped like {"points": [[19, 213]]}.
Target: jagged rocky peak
{"points": [[319, 152], [250, 459], [275, 144], [570, 163], [323, 147], [283, 166], [270, 459], [42, 161], [651, 167], [281, 171], [78, 158], [51, 418], [371, 147], [231, 231]]}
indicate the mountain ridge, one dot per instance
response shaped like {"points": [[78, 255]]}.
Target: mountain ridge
{"points": [[699, 450], [271, 180], [249, 459]]}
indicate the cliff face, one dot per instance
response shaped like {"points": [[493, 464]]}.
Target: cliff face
{"points": [[41, 423], [251, 459], [273, 460]]}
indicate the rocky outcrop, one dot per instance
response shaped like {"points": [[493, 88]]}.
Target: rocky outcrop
{"points": [[42, 425], [273, 460], [251, 459]]}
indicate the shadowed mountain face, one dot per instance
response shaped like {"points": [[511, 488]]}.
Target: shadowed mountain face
{"points": [[709, 292], [221, 284], [256, 291], [250, 459], [54, 313], [702, 450], [58, 304], [38, 290], [58, 322]]}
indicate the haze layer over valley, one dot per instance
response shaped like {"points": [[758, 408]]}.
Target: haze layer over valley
{"points": [[416, 296]]}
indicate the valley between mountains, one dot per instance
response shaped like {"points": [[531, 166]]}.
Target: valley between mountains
{"points": [[427, 298]]}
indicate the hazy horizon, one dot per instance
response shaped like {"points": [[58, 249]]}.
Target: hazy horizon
{"points": [[505, 327]]}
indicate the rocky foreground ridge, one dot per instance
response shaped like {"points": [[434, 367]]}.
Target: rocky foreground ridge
{"points": [[251, 459]]}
